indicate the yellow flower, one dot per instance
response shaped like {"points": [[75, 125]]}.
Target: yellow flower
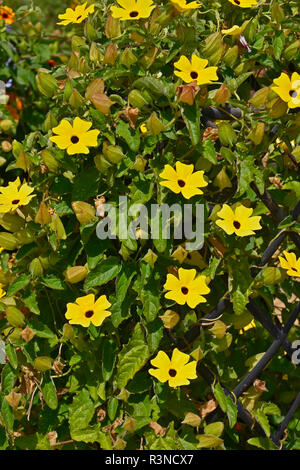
{"points": [[132, 9], [248, 327], [76, 16], [76, 138], [244, 3], [143, 128], [181, 5], [291, 263], [177, 370], [2, 292], [288, 89], [7, 14], [238, 221], [195, 70], [15, 195], [183, 180], [186, 288], [236, 30], [86, 310]]}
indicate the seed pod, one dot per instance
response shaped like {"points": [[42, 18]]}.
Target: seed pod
{"points": [[95, 54], [150, 258], [57, 226], [112, 27], [102, 164], [155, 125], [139, 164], [36, 268], [113, 153], [170, 319], [14, 316], [260, 97], [6, 146], [8, 241], [43, 363], [111, 54], [74, 63], [90, 31], [46, 84], [43, 215], [128, 58], [84, 212], [75, 274], [50, 161]]}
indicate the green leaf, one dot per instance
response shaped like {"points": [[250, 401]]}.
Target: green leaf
{"points": [[263, 421], [19, 283], [49, 392], [262, 443], [278, 45], [151, 84], [207, 441], [191, 116], [92, 434], [107, 270], [131, 137], [132, 357], [215, 429], [220, 397], [231, 410], [109, 355], [12, 356], [8, 379], [7, 414], [86, 184], [81, 410], [53, 282]]}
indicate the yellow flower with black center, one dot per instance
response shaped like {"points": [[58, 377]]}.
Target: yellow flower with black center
{"points": [[75, 138], [238, 221], [132, 9], [290, 263], [182, 6], [244, 3], [7, 15], [176, 371], [78, 15], [183, 180], [86, 311], [288, 89], [2, 292], [195, 70], [15, 195], [187, 288]]}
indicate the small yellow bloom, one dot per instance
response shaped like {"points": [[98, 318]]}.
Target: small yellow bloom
{"points": [[291, 263], [183, 180], [2, 292], [236, 30], [195, 70], [177, 370], [76, 16], [86, 311], [248, 327], [244, 3], [181, 5], [75, 138], [15, 195], [186, 288], [143, 128], [238, 221], [288, 89], [7, 14], [132, 9]]}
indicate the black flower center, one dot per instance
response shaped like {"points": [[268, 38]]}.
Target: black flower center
{"points": [[237, 2], [294, 269], [194, 75], [184, 290], [133, 14], [89, 313], [293, 94], [181, 183], [74, 139], [4, 15], [15, 201], [236, 224], [78, 18], [172, 372]]}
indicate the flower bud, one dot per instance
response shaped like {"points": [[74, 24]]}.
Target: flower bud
{"points": [[75, 274], [76, 100], [84, 212], [111, 54], [226, 134], [46, 84], [102, 164], [14, 316], [222, 180], [43, 216], [6, 146], [277, 13], [90, 31], [155, 125], [136, 99], [213, 48], [128, 58], [74, 62], [6, 125], [170, 319], [8, 241], [43, 363], [50, 161], [68, 90], [139, 164], [113, 153], [112, 27], [49, 122], [218, 329], [13, 399], [95, 54], [231, 56], [11, 222], [36, 268], [150, 258]]}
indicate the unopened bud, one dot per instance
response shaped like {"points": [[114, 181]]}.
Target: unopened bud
{"points": [[111, 54], [112, 27], [113, 153], [46, 84], [170, 319], [75, 274], [95, 54], [68, 332], [139, 164], [43, 216], [96, 86], [150, 258], [128, 58], [102, 164], [36, 268], [291, 51]]}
